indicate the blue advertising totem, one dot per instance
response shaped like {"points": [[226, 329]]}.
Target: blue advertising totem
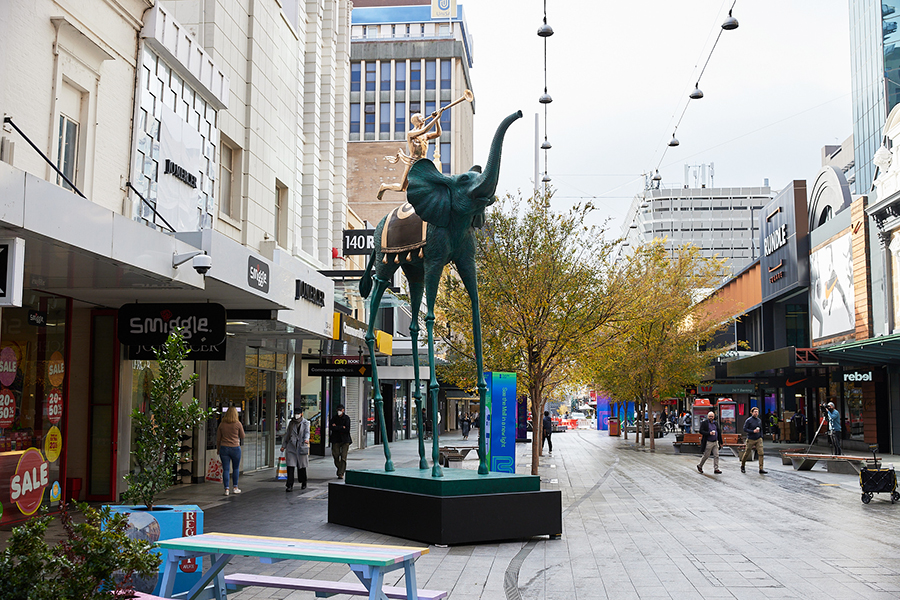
{"points": [[500, 421]]}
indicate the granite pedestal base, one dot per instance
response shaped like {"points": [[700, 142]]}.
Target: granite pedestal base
{"points": [[460, 508]]}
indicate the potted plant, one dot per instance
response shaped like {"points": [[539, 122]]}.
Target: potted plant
{"points": [[156, 449], [97, 559]]}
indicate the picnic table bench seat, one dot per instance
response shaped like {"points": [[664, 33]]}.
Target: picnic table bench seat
{"points": [[323, 589], [689, 443]]}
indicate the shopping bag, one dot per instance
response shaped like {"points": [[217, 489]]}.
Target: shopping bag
{"points": [[281, 474], [214, 470]]}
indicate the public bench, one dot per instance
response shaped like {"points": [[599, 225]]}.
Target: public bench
{"points": [[453, 454], [735, 443], [323, 589], [850, 465], [690, 443]]}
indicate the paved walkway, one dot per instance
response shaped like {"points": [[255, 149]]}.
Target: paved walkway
{"points": [[636, 525]]}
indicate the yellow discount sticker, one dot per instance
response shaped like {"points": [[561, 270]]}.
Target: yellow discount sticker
{"points": [[53, 444]]}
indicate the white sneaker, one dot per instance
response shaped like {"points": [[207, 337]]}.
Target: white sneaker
{"points": [[237, 490], [226, 491]]}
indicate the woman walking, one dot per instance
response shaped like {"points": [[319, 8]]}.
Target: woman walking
{"points": [[296, 450], [229, 438]]}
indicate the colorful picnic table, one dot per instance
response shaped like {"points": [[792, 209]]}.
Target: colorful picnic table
{"points": [[369, 562]]}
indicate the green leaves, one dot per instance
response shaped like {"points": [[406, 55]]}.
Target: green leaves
{"points": [[156, 430], [95, 561]]}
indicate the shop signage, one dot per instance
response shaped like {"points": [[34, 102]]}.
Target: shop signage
{"points": [[26, 486], [12, 271], [53, 444], [723, 388], [352, 329], [258, 275], [348, 370], [38, 318], [54, 406], [150, 324], [346, 360], [855, 376], [7, 408], [56, 369], [188, 528], [9, 365], [784, 264], [181, 150], [198, 352], [358, 241], [309, 293], [500, 422]]}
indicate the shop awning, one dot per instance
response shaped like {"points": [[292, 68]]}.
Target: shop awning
{"points": [[788, 357], [879, 350]]}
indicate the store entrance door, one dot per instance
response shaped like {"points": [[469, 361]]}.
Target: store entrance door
{"points": [[258, 427]]}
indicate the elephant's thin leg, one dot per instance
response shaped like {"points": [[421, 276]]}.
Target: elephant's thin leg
{"points": [[377, 293], [414, 276], [432, 280], [467, 273]]}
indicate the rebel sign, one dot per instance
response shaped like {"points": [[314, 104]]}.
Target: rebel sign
{"points": [[26, 487]]}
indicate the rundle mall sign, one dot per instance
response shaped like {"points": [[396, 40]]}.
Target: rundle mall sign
{"points": [[784, 264]]}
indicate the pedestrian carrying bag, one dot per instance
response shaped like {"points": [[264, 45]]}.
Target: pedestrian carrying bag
{"points": [[303, 450]]}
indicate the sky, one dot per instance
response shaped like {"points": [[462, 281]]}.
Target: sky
{"points": [[776, 90]]}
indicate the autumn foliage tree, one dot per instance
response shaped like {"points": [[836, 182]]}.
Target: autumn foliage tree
{"points": [[547, 287], [660, 347]]}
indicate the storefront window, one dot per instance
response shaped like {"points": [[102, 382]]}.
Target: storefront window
{"points": [[309, 401], [33, 404], [853, 411]]}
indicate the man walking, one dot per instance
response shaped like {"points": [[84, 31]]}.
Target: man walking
{"points": [[753, 429], [547, 430], [340, 440], [710, 442], [834, 427]]}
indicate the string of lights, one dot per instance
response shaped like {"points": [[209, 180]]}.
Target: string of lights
{"points": [[729, 24], [545, 31]]}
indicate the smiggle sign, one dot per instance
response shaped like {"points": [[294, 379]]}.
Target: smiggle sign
{"points": [[26, 487]]}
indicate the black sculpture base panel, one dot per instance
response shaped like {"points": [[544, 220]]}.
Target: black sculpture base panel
{"points": [[462, 507]]}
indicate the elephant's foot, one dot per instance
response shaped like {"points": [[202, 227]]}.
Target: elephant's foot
{"points": [[423, 464], [482, 468], [389, 465], [436, 471]]}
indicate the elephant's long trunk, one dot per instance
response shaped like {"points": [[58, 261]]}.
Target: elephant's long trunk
{"points": [[491, 172]]}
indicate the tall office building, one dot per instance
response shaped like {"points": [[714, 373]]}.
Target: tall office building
{"points": [[404, 62], [722, 222], [875, 80]]}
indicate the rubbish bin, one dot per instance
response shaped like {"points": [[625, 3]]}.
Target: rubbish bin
{"points": [[614, 426]]}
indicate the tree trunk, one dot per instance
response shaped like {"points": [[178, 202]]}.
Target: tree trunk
{"points": [[623, 421], [537, 426]]}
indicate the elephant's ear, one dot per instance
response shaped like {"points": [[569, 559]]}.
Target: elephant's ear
{"points": [[429, 193]]}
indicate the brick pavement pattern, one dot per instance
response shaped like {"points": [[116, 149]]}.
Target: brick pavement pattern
{"points": [[636, 525]]}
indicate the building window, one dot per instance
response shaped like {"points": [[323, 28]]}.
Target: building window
{"points": [[429, 108], [444, 29], [354, 118], [407, 30], [400, 79], [281, 214], [400, 120], [445, 74], [68, 150], [385, 76], [370, 118], [370, 77], [430, 74], [371, 31], [385, 120], [445, 157], [354, 77], [229, 157], [445, 120], [415, 75]]}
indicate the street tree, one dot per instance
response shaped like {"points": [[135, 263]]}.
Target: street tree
{"points": [[547, 286], [662, 345]]}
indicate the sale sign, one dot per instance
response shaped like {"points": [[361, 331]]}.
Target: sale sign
{"points": [[53, 444], [56, 370], [9, 363], [7, 408], [26, 487], [54, 406]]}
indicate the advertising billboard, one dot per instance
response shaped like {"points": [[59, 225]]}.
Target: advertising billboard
{"points": [[831, 297], [500, 422]]}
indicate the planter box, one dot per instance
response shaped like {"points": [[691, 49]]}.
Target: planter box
{"points": [[166, 522]]}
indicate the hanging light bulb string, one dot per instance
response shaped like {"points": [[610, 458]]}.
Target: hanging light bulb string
{"points": [[729, 24]]}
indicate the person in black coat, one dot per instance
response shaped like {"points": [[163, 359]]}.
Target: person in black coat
{"points": [[753, 427], [710, 441], [547, 431], [339, 428]]}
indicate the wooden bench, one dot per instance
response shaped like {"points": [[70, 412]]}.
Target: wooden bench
{"points": [[735, 443], [323, 589], [850, 465], [453, 454], [690, 443]]}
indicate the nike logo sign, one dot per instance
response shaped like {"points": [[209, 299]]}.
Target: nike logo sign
{"points": [[790, 383]]}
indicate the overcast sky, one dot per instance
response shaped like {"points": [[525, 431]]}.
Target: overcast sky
{"points": [[776, 89]]}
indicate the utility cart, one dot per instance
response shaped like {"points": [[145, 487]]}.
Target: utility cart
{"points": [[873, 479]]}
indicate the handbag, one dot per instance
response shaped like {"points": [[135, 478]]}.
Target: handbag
{"points": [[303, 450]]}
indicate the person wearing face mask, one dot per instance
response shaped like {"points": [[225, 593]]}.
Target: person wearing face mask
{"points": [[340, 440], [296, 450]]}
